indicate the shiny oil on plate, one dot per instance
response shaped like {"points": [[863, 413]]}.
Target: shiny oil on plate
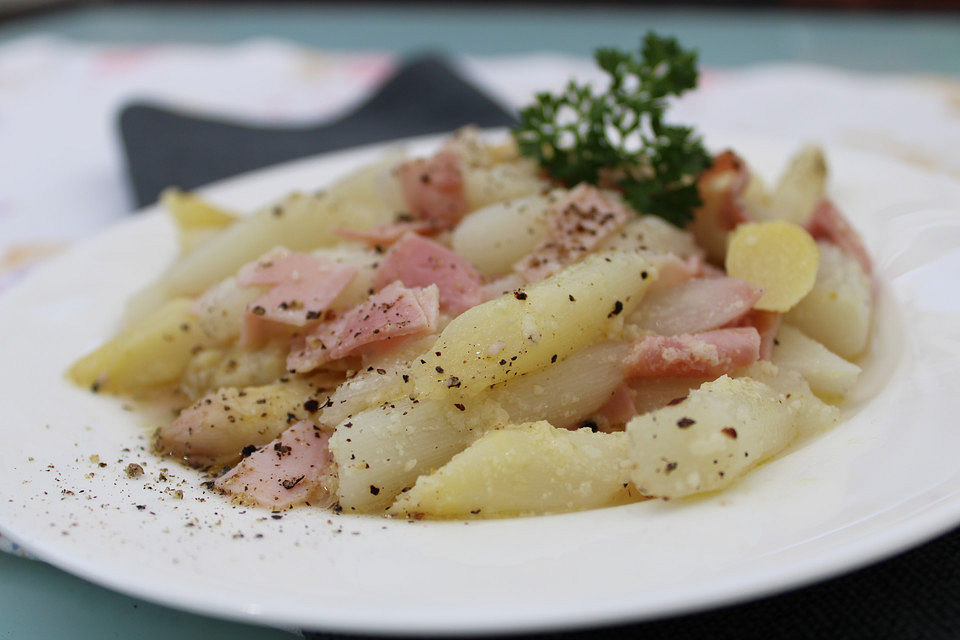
{"points": [[883, 480]]}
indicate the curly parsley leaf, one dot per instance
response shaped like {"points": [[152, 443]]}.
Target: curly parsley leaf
{"points": [[618, 138]]}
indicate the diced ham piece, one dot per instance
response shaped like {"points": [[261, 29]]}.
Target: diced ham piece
{"points": [[767, 323], [302, 286], [433, 189], [708, 354], [707, 270], [392, 312], [721, 189], [672, 270], [732, 211], [419, 262], [384, 235], [576, 224], [619, 409], [696, 305], [288, 471], [827, 223]]}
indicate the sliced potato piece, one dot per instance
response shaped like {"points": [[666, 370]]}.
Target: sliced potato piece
{"points": [[528, 330], [756, 198], [717, 434], [234, 366], [653, 234], [566, 393], [381, 451], [300, 222], [828, 374], [801, 186], [220, 311], [216, 428], [487, 184], [532, 468], [496, 237], [196, 219], [812, 414], [381, 378], [152, 353], [838, 311], [190, 211], [779, 257]]}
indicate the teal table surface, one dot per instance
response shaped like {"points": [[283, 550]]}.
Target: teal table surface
{"points": [[872, 42], [39, 601]]}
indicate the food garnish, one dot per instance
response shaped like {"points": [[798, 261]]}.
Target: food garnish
{"points": [[618, 136]]}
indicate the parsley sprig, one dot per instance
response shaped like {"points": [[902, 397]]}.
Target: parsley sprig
{"points": [[619, 137]]}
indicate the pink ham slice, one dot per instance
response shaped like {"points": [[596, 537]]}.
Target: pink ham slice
{"points": [[707, 270], [288, 471], [708, 354], [418, 262], [672, 270], [732, 211], [767, 323], [390, 313], [576, 224], [433, 189], [302, 286], [827, 223], [618, 410], [384, 235], [696, 305]]}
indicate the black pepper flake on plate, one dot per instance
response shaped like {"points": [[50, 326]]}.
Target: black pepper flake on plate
{"points": [[311, 405], [459, 406], [248, 450], [520, 295], [683, 423], [617, 308], [730, 432], [676, 401], [374, 490]]}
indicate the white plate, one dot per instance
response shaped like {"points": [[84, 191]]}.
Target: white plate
{"points": [[885, 479]]}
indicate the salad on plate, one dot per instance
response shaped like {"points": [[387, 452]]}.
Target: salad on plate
{"points": [[590, 312]]}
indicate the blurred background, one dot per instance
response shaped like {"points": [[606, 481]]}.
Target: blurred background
{"points": [[881, 76]]}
